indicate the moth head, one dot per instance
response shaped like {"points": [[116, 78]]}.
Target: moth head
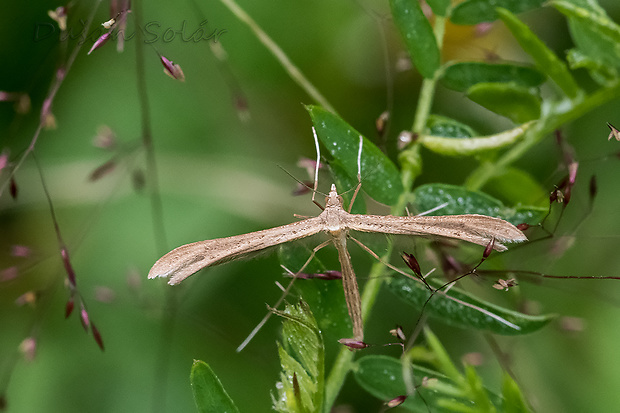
{"points": [[333, 199]]}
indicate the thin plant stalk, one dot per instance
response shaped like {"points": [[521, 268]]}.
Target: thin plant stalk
{"points": [[293, 71]]}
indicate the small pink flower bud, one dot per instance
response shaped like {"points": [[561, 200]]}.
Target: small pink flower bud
{"points": [[352, 343], [412, 263], [572, 172], [69, 307], [173, 70], [100, 42], [489, 248], [68, 267], [523, 226], [97, 337], [85, 320], [396, 401]]}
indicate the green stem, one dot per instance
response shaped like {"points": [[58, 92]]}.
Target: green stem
{"points": [[292, 70], [162, 365], [551, 122], [427, 92]]}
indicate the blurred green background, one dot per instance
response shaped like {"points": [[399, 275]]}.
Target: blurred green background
{"points": [[219, 176]]}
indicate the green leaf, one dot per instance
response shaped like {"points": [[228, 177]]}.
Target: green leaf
{"points": [[463, 201], [546, 61], [602, 72], [598, 22], [594, 34], [380, 177], [517, 103], [443, 126], [302, 360], [514, 402], [460, 309], [418, 35], [516, 186], [209, 394], [441, 358], [478, 393], [463, 75], [439, 7], [382, 376], [473, 146], [478, 11]]}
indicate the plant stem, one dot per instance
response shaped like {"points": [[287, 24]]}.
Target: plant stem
{"points": [[427, 92], [292, 70], [169, 316], [147, 138]]}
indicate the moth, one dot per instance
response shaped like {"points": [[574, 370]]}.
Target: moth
{"points": [[338, 224]]}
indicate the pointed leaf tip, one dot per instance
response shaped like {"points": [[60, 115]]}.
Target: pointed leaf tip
{"points": [[209, 394]]}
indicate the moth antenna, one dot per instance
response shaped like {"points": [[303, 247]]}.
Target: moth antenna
{"points": [[316, 168], [359, 173], [430, 211]]}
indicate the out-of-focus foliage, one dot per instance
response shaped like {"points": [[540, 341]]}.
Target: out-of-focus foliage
{"points": [[496, 94]]}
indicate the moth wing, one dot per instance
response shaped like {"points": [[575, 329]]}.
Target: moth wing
{"points": [[188, 259], [477, 229]]}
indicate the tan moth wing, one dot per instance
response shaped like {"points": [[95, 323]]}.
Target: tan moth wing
{"points": [[478, 229], [188, 259]]}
